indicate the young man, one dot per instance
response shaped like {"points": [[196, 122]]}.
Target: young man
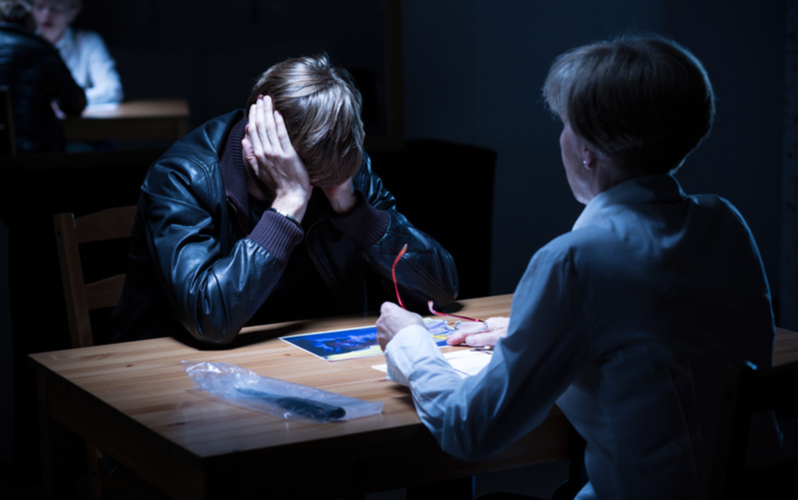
{"points": [[272, 216]]}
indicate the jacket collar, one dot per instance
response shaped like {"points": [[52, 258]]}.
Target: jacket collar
{"points": [[635, 191], [234, 175]]}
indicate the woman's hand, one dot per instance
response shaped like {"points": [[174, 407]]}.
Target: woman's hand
{"points": [[269, 152], [393, 319], [498, 328]]}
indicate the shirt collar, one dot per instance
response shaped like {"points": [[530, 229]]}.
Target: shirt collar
{"points": [[65, 43], [635, 191]]}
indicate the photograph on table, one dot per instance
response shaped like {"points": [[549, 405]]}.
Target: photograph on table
{"points": [[351, 343]]}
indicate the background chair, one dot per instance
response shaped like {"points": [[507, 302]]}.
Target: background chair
{"points": [[446, 190], [749, 391], [7, 144], [81, 297]]}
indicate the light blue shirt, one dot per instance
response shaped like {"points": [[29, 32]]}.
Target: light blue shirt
{"points": [[91, 66], [627, 322]]}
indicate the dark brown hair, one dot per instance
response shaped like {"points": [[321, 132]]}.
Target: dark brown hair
{"points": [[17, 12], [322, 110], [644, 102]]}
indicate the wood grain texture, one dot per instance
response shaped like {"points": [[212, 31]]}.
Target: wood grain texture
{"points": [[135, 401]]}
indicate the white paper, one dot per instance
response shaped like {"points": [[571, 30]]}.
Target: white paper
{"points": [[465, 362]]}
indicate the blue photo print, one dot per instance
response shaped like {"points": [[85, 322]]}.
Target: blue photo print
{"points": [[353, 343]]}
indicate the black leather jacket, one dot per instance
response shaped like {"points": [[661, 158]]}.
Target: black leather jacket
{"points": [[35, 75], [195, 260]]}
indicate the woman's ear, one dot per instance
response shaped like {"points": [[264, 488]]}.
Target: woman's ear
{"points": [[589, 157]]}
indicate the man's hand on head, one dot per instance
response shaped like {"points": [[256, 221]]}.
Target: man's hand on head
{"points": [[269, 152], [342, 197], [498, 328], [393, 319]]}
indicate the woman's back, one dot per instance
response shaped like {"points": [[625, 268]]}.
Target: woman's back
{"points": [[674, 290]]}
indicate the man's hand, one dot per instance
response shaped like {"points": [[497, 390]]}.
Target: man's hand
{"points": [[393, 319], [269, 152], [341, 197], [498, 328]]}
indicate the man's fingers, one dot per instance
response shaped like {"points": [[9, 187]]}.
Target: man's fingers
{"points": [[283, 134], [270, 128], [249, 155]]}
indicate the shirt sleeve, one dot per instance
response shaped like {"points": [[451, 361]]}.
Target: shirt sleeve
{"points": [[105, 86], [214, 290], [547, 346]]}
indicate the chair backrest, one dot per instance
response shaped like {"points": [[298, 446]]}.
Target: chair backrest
{"points": [[81, 297], [748, 391], [7, 144], [446, 190]]}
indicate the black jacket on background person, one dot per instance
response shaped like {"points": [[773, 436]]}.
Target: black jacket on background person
{"points": [[35, 74], [207, 260]]}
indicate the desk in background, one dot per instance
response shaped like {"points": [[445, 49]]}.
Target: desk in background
{"points": [[131, 120]]}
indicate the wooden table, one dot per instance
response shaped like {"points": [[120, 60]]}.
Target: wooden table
{"points": [[135, 402], [131, 120]]}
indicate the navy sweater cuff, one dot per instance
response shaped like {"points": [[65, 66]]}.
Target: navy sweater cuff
{"points": [[278, 235], [364, 225]]}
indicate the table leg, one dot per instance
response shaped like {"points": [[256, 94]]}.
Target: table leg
{"points": [[57, 445]]}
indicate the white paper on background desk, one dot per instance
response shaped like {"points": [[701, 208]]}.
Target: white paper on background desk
{"points": [[465, 362]]}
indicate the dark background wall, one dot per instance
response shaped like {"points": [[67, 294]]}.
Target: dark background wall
{"points": [[472, 73]]}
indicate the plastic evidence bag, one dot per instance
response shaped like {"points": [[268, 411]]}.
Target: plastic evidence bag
{"points": [[279, 398]]}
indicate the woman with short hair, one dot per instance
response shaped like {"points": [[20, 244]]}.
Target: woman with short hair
{"points": [[628, 321]]}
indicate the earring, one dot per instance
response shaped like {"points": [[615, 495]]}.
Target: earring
{"points": [[584, 163]]}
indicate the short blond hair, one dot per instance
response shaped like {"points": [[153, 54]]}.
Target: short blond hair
{"points": [[644, 101], [322, 110]]}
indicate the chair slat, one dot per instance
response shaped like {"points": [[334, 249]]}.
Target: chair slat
{"points": [[104, 293], [105, 225]]}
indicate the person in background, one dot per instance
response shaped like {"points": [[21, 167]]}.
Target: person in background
{"points": [[83, 51], [273, 214], [628, 321], [35, 76]]}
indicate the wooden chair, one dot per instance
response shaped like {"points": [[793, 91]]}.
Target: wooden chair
{"points": [[748, 391], [81, 297], [8, 145]]}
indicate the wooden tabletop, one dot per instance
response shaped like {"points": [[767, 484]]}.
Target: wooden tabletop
{"points": [[130, 120], [144, 108], [135, 402]]}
